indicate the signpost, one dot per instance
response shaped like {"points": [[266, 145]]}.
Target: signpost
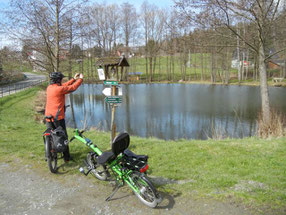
{"points": [[108, 91], [108, 69], [113, 97], [101, 74], [111, 83]]}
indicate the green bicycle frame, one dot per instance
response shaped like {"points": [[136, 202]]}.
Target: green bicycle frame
{"points": [[114, 165]]}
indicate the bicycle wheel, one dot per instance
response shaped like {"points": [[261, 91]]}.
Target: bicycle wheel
{"points": [[147, 193], [98, 170], [51, 156]]}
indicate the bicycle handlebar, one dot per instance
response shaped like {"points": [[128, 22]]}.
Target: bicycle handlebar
{"points": [[79, 133]]}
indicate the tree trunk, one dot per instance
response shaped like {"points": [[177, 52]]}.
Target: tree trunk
{"points": [[284, 69], [57, 51], [1, 68], [70, 60], [159, 65], [150, 68], [146, 66], [173, 68], [213, 69], [202, 65], [227, 68], [168, 73], [154, 67], [238, 57], [264, 86], [262, 67]]}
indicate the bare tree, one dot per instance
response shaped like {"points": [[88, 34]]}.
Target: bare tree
{"points": [[39, 24], [228, 13], [104, 26], [72, 25], [128, 22], [153, 20], [113, 20], [129, 27]]}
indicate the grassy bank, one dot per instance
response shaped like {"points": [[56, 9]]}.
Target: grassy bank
{"points": [[250, 170], [171, 69]]}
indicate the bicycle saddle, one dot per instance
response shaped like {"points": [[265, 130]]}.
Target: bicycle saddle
{"points": [[119, 144], [49, 117]]}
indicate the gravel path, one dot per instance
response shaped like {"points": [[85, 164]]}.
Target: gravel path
{"points": [[29, 191], [31, 80]]}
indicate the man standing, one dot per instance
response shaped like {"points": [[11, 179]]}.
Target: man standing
{"points": [[55, 105]]}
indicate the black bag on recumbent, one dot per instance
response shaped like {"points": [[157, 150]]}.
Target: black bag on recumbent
{"points": [[60, 140]]}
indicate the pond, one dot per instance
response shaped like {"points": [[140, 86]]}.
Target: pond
{"points": [[174, 111]]}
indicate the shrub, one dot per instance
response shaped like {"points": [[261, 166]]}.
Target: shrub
{"points": [[275, 128]]}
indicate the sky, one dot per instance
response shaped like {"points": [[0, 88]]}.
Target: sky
{"points": [[137, 4], [4, 4], [3, 39]]}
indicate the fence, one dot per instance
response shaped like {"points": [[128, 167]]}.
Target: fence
{"points": [[17, 87]]}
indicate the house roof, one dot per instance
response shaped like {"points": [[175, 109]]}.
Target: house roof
{"points": [[279, 62], [112, 61]]}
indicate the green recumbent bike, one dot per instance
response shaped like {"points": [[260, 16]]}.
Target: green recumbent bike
{"points": [[127, 167]]}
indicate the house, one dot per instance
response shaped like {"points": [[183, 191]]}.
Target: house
{"points": [[236, 64], [37, 60], [237, 61], [275, 64]]}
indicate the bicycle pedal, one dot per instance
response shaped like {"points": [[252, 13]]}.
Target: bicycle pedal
{"points": [[81, 169]]}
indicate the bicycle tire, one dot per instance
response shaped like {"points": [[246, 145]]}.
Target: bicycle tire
{"points": [[98, 170], [51, 156], [147, 193]]}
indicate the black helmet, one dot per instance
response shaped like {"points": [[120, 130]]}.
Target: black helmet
{"points": [[56, 77]]}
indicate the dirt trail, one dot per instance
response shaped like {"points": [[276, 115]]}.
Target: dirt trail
{"points": [[28, 191]]}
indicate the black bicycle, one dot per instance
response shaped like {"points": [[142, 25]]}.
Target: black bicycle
{"points": [[50, 153]]}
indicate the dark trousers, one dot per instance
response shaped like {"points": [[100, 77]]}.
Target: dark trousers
{"points": [[56, 124]]}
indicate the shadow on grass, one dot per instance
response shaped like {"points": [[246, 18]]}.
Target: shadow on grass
{"points": [[70, 166]]}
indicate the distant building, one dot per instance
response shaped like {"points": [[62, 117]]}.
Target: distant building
{"points": [[37, 60], [236, 64], [237, 61], [275, 64], [128, 52]]}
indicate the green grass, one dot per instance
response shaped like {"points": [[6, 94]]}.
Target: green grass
{"points": [[162, 68], [250, 170], [14, 65], [163, 72]]}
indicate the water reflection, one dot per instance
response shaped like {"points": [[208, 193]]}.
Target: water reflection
{"points": [[174, 111]]}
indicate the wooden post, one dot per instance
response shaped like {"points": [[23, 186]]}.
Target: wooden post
{"points": [[113, 125]]}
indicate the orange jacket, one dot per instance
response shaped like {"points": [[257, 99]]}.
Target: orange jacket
{"points": [[56, 97]]}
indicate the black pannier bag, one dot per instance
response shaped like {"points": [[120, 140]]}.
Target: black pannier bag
{"points": [[60, 140]]}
